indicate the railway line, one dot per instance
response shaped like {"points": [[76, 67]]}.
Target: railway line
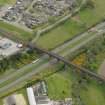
{"points": [[36, 69], [67, 62]]}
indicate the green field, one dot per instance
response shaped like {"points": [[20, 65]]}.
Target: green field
{"points": [[94, 94], [70, 28], [1, 103], [3, 2], [60, 34], [15, 32], [59, 85], [92, 16]]}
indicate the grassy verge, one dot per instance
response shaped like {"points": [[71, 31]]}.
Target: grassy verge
{"points": [[24, 93], [14, 32]]}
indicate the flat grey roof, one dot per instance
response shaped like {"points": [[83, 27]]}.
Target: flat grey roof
{"points": [[7, 47], [10, 100]]}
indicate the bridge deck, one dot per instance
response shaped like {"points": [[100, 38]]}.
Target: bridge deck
{"points": [[67, 62]]}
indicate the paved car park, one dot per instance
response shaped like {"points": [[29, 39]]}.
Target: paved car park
{"points": [[8, 47]]}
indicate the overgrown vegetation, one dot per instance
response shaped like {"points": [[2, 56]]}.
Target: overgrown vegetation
{"points": [[92, 55], [88, 92], [18, 60]]}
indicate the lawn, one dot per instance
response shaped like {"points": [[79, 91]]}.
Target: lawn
{"points": [[59, 85], [94, 94], [70, 28]]}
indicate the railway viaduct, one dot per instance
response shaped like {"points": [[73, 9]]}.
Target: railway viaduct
{"points": [[67, 62]]}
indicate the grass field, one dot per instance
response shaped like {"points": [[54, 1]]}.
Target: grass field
{"points": [[60, 34], [59, 85], [70, 28], [94, 94], [3, 2], [1, 103], [92, 16], [14, 32]]}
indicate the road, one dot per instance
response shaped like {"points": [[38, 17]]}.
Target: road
{"points": [[57, 50], [82, 43], [20, 80], [79, 37], [45, 65], [41, 31]]}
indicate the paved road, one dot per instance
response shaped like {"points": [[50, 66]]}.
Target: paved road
{"points": [[45, 65], [20, 80], [57, 50], [22, 70]]}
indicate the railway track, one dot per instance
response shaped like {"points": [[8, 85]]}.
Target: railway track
{"points": [[67, 62]]}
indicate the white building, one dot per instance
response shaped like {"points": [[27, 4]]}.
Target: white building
{"points": [[37, 100], [31, 96]]}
